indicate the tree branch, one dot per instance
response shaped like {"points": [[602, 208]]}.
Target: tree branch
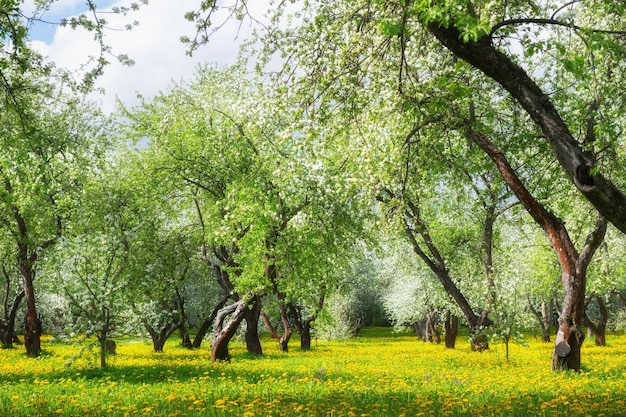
{"points": [[551, 22]]}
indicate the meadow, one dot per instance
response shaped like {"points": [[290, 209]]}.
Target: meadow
{"points": [[378, 373]]}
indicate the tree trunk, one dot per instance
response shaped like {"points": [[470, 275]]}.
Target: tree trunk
{"points": [[573, 265], [253, 342], [544, 319], [568, 343], [577, 163], [490, 219], [185, 340], [7, 327], [452, 328], [32, 324], [102, 338], [419, 328], [286, 336], [158, 344], [270, 327], [305, 336], [598, 330], [283, 339], [432, 330], [303, 327], [159, 338], [436, 263], [224, 331], [111, 347], [480, 341], [206, 324]]}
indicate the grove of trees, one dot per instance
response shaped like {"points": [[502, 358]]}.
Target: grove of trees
{"points": [[420, 163]]}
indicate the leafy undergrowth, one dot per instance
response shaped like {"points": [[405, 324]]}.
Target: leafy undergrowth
{"points": [[377, 374]]}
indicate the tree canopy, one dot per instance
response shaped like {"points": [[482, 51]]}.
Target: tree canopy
{"points": [[406, 147]]}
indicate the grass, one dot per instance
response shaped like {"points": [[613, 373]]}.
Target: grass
{"points": [[378, 373]]}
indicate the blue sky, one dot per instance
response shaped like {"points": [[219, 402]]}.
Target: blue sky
{"points": [[43, 31], [154, 45]]}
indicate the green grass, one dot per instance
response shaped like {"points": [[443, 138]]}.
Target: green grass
{"points": [[379, 373]]}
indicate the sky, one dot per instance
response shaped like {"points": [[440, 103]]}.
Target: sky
{"points": [[160, 58]]}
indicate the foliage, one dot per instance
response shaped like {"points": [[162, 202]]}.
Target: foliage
{"points": [[265, 198], [21, 16], [408, 290], [380, 373]]}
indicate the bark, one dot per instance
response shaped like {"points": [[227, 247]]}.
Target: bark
{"points": [[103, 351], [479, 338], [577, 163], [432, 331], [452, 328], [305, 336], [227, 322], [160, 337], [419, 328], [544, 319], [207, 323], [598, 330], [427, 329], [303, 326], [166, 328], [32, 324], [490, 219], [573, 309], [269, 325], [438, 266], [286, 336], [7, 327], [225, 330], [573, 265], [185, 340], [283, 340], [253, 342]]}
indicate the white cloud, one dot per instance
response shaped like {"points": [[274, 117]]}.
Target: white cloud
{"points": [[154, 46]]}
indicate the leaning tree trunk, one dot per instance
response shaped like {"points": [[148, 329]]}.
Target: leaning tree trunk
{"points": [[598, 330], [283, 340], [437, 264], [577, 163], [543, 318], [224, 331], [207, 323], [569, 336], [303, 327], [7, 329]]}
